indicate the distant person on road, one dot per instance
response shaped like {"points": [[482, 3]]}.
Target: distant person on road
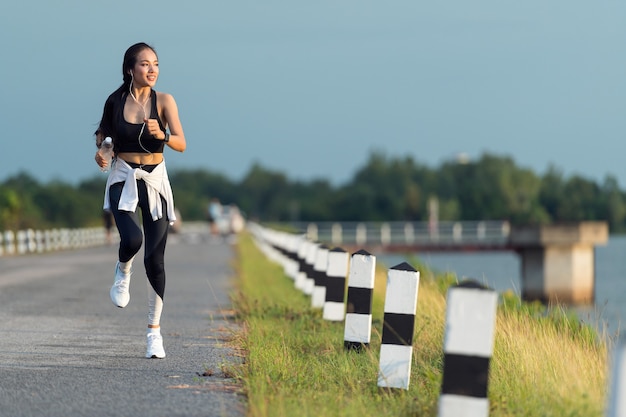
{"points": [[214, 212], [138, 119], [107, 217], [236, 221]]}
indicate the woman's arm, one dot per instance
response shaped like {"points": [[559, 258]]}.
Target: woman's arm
{"points": [[99, 138], [105, 126], [171, 120], [99, 159]]}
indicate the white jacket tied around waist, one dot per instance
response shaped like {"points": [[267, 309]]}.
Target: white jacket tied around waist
{"points": [[157, 184]]}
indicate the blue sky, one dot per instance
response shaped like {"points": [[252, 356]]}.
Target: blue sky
{"points": [[310, 89]]}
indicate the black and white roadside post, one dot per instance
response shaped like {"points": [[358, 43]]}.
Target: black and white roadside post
{"points": [[309, 282], [292, 243], [617, 390], [468, 347], [263, 240], [334, 308], [358, 326], [396, 350], [320, 266], [301, 276]]}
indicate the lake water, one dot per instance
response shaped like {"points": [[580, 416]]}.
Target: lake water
{"points": [[502, 270]]}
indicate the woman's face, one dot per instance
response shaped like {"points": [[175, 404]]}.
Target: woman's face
{"points": [[146, 70]]}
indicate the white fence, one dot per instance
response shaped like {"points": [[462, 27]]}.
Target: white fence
{"points": [[490, 233], [32, 241], [38, 241]]}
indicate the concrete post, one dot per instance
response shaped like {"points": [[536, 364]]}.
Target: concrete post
{"points": [[309, 282], [468, 347], [301, 275], [557, 261], [21, 242], [358, 326], [320, 266], [396, 349], [39, 238], [293, 263], [9, 242], [334, 307], [336, 234]]}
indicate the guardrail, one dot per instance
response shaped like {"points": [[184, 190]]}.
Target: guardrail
{"points": [[30, 241], [37, 241], [487, 233]]}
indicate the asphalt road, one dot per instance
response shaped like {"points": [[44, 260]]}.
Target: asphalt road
{"points": [[66, 350]]}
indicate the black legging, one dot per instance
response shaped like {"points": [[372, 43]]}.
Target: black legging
{"points": [[131, 236]]}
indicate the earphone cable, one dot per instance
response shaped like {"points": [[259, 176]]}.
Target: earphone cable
{"points": [[143, 125]]}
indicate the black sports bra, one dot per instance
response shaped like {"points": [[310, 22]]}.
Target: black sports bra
{"points": [[128, 133]]}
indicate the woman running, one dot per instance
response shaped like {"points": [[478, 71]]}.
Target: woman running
{"points": [[141, 122]]}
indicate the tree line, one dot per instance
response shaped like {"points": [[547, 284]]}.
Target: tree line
{"points": [[384, 189]]}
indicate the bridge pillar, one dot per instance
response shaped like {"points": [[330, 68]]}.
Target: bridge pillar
{"points": [[558, 262]]}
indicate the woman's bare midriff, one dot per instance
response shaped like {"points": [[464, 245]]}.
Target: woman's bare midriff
{"points": [[141, 158]]}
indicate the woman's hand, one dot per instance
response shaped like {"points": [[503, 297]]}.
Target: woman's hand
{"points": [[99, 159], [102, 163], [154, 129]]}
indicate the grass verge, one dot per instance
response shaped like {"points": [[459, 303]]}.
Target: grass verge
{"points": [[545, 362]]}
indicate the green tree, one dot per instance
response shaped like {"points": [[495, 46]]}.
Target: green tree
{"points": [[311, 201], [64, 206], [613, 204], [388, 188], [264, 194], [10, 208], [383, 189], [30, 215], [494, 187], [552, 191], [580, 201]]}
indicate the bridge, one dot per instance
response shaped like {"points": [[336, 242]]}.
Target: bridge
{"points": [[410, 236], [557, 261]]}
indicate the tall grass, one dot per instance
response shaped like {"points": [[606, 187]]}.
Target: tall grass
{"points": [[545, 363]]}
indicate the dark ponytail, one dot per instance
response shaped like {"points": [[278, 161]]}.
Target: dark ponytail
{"points": [[115, 102]]}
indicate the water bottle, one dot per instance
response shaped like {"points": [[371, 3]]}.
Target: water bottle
{"points": [[106, 152]]}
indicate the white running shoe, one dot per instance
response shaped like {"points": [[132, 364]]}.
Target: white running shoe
{"points": [[155, 346], [119, 291]]}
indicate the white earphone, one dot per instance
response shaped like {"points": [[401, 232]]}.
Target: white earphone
{"points": [[143, 126]]}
